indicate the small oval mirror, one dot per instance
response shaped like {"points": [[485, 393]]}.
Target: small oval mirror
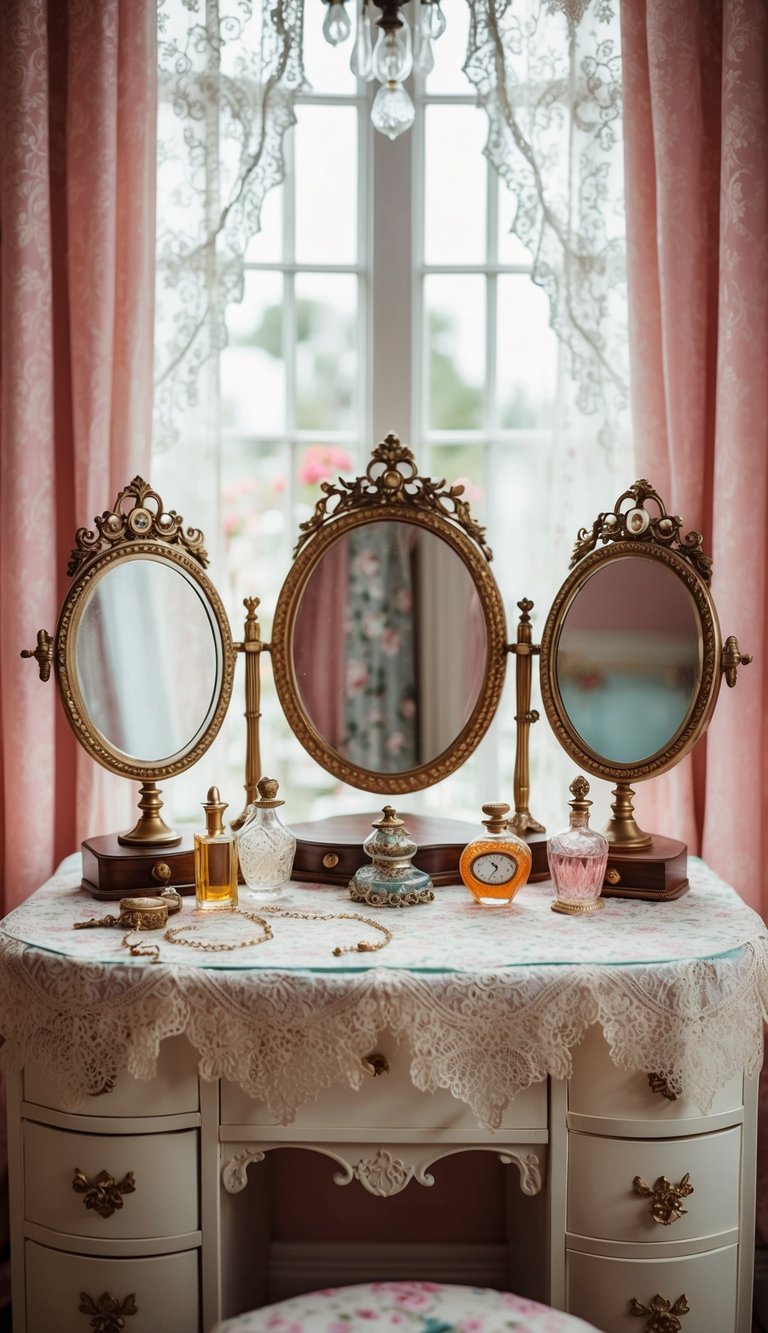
{"points": [[139, 705], [628, 659]]}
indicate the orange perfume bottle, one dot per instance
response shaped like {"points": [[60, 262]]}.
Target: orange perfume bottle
{"points": [[496, 865]]}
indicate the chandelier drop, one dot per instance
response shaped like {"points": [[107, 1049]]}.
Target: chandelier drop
{"points": [[392, 58]]}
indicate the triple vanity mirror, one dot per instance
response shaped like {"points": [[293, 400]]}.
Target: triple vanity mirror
{"points": [[389, 650]]}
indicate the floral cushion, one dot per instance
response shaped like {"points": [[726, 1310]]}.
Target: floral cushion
{"points": [[407, 1307]]}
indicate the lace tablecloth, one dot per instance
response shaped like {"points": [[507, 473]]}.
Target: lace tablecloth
{"points": [[489, 1000]]}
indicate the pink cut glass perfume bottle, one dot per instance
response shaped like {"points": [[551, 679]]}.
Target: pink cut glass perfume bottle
{"points": [[577, 859]]}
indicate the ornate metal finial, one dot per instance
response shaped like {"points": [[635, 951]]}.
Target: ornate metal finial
{"points": [[268, 798], [579, 789], [391, 478], [638, 524], [390, 820], [43, 653], [143, 520]]}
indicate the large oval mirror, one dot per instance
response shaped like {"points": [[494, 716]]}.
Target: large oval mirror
{"points": [[380, 670], [140, 705], [389, 648]]}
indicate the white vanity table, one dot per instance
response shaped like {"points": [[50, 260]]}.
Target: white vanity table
{"points": [[480, 1004]]}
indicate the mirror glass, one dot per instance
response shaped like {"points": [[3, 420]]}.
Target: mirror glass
{"points": [[389, 647], [628, 659], [145, 702]]}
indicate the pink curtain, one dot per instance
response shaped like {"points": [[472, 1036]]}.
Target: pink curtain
{"points": [[77, 171], [696, 130]]}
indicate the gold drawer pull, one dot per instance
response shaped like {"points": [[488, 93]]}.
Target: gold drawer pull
{"points": [[330, 860], [103, 1194], [662, 1317], [667, 1206], [613, 876], [107, 1312], [375, 1064]]}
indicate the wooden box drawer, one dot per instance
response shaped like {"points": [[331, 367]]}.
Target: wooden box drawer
{"points": [[164, 1201], [599, 1290], [174, 1089], [603, 1203], [165, 1291], [597, 1088], [388, 1102]]}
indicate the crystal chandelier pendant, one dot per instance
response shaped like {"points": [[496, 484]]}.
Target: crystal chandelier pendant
{"points": [[362, 52], [393, 111], [336, 24]]}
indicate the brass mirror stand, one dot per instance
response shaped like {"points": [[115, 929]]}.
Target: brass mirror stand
{"points": [[252, 648]]}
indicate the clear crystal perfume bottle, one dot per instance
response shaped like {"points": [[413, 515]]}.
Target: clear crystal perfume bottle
{"points": [[496, 865], [215, 858], [577, 858], [266, 848]]}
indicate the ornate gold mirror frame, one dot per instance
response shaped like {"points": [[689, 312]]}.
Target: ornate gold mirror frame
{"points": [[137, 528], [634, 531]]}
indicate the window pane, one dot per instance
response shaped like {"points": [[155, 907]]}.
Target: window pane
{"points": [[454, 189], [253, 502], [326, 185], [526, 367], [253, 364], [463, 463], [454, 308], [450, 52], [326, 351]]}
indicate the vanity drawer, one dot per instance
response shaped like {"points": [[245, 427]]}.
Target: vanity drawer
{"points": [[165, 1291], [384, 1104], [597, 1088], [174, 1089], [599, 1290], [603, 1203], [164, 1201]]}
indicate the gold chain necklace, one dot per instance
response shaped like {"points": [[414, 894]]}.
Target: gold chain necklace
{"points": [[172, 935]]}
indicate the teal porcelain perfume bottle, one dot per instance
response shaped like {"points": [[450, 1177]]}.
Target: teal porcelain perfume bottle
{"points": [[391, 881]]}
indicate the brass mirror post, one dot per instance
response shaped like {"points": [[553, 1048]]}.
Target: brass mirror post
{"points": [[252, 647], [622, 829], [522, 820], [150, 827]]}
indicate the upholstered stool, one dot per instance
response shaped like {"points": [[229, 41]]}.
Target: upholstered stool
{"points": [[407, 1307]]}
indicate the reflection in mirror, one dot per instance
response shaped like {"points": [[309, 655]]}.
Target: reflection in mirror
{"points": [[628, 659], [136, 696], [389, 646]]}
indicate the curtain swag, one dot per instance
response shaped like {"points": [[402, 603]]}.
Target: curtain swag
{"points": [[547, 72]]}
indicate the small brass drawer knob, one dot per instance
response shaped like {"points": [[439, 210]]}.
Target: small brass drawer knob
{"points": [[666, 1198], [613, 877], [104, 1195], [662, 1317], [330, 860], [161, 871], [107, 1312]]}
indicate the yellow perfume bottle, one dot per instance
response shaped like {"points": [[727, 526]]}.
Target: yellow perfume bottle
{"points": [[496, 865], [215, 858]]}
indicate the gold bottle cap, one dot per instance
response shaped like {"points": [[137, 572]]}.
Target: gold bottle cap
{"points": [[497, 821], [390, 820], [268, 798], [214, 809], [579, 788]]}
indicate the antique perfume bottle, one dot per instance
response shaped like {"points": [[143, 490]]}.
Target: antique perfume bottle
{"points": [[266, 848], [215, 858], [577, 858], [496, 865], [391, 880]]}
